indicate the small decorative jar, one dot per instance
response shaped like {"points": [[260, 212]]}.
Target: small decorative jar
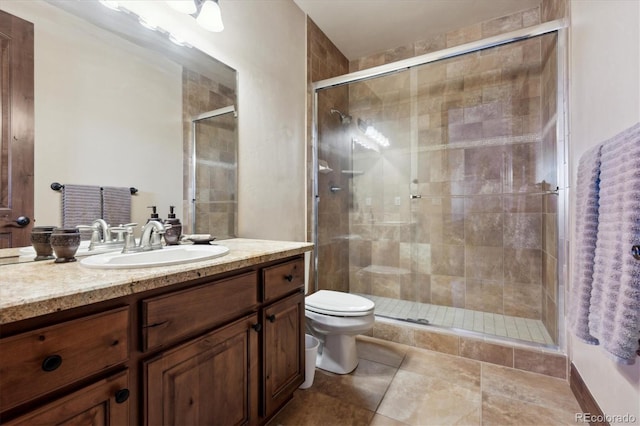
{"points": [[41, 242], [65, 243]]}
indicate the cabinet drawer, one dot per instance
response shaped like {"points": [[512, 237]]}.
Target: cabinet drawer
{"points": [[103, 403], [167, 318], [39, 361], [282, 279]]}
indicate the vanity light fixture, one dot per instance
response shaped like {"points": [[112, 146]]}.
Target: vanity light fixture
{"points": [[111, 4], [206, 12], [210, 17]]}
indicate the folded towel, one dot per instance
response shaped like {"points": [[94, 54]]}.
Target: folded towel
{"points": [[81, 205], [614, 317], [116, 205], [587, 201]]}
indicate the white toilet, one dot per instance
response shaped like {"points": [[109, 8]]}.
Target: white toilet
{"points": [[336, 318]]}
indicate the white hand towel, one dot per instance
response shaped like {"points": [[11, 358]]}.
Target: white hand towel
{"points": [[587, 201], [614, 317]]}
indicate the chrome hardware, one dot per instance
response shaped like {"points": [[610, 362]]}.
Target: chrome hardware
{"points": [[151, 238], [635, 252], [103, 228], [334, 189], [414, 196]]}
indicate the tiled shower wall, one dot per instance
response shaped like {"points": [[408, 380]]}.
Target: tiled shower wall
{"points": [[216, 164]]}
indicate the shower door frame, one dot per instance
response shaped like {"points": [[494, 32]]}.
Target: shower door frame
{"points": [[194, 121], [560, 27]]}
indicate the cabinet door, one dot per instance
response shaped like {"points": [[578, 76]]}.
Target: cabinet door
{"points": [[283, 350], [104, 403], [211, 380]]}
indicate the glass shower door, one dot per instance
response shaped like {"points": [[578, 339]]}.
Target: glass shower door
{"points": [[215, 168]]}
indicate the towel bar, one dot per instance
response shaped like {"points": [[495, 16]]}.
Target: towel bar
{"points": [[58, 186]]}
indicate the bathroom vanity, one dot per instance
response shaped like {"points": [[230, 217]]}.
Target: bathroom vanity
{"points": [[213, 342]]}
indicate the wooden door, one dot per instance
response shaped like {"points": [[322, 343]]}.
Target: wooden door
{"points": [[283, 350], [103, 403], [16, 130], [211, 380]]}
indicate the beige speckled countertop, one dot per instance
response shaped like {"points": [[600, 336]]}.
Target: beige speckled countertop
{"points": [[30, 289]]}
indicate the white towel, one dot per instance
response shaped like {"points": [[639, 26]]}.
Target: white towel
{"points": [[614, 317], [587, 202], [116, 205], [81, 205]]}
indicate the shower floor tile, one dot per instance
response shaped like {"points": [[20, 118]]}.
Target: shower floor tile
{"points": [[526, 329]]}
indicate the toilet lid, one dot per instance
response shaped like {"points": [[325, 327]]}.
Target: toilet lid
{"points": [[338, 303]]}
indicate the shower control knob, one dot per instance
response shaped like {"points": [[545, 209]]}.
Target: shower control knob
{"points": [[635, 252]]}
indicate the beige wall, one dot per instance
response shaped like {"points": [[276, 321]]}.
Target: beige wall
{"points": [[604, 100]]}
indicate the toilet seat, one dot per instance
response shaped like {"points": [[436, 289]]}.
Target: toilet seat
{"points": [[338, 304]]}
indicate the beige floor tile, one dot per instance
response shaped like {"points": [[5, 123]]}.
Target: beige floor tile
{"points": [[453, 369], [380, 420], [381, 351], [417, 399], [364, 387], [311, 408], [498, 410], [531, 388]]}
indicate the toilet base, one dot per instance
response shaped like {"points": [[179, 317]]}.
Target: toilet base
{"points": [[338, 354]]}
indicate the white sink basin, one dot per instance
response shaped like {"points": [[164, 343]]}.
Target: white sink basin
{"points": [[173, 255]]}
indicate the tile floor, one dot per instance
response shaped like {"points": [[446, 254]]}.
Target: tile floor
{"points": [[395, 384], [526, 329]]}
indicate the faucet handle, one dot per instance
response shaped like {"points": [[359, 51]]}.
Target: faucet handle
{"points": [[129, 240], [120, 231], [95, 234]]}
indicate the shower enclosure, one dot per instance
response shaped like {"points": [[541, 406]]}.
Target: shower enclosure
{"points": [[440, 186]]}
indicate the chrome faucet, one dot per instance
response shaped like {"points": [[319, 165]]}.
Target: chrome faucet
{"points": [[151, 238], [103, 228]]}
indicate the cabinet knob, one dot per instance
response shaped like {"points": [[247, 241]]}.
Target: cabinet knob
{"points": [[272, 318], [288, 277], [257, 327], [122, 395], [51, 363]]}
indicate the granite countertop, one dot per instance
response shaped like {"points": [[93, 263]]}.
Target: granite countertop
{"points": [[30, 289]]}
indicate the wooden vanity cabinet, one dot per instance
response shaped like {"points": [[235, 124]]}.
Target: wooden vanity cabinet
{"points": [[226, 349], [211, 380], [283, 344]]}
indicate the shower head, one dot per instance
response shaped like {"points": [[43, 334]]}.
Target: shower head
{"points": [[344, 118]]}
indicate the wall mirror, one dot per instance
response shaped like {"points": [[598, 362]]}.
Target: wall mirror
{"points": [[116, 104]]}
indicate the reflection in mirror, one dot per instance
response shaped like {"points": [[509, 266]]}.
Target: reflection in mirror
{"points": [[215, 160], [114, 103]]}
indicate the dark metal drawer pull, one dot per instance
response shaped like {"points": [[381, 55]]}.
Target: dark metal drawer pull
{"points": [[272, 318], [288, 277], [122, 395], [51, 363]]}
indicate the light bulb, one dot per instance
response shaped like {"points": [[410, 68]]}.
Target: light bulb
{"points": [[210, 17], [183, 6]]}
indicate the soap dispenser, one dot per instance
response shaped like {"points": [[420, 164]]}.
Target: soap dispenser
{"points": [[172, 235], [154, 215]]}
